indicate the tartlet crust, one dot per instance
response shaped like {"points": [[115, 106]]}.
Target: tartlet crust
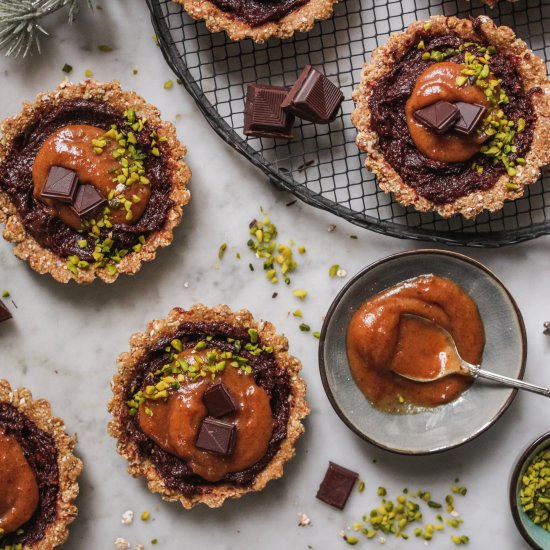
{"points": [[533, 74], [43, 260], [213, 496], [301, 19], [69, 466]]}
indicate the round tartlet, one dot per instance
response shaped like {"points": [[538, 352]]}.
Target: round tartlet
{"points": [[112, 102], [299, 18], [531, 72], [196, 324], [48, 527]]}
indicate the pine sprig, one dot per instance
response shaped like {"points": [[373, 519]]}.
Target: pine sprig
{"points": [[20, 28]]}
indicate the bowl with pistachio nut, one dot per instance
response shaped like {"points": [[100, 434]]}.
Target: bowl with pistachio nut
{"points": [[530, 493]]}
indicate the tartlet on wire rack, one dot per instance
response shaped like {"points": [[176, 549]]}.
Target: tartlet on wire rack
{"points": [[39, 470], [487, 68], [207, 405], [258, 19], [92, 182]]}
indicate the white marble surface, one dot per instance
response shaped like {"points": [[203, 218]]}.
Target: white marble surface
{"points": [[64, 339]]}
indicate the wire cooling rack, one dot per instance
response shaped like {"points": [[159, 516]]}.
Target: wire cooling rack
{"points": [[322, 165]]}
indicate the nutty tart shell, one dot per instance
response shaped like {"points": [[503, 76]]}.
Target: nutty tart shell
{"points": [[211, 495], [69, 466], [532, 72], [301, 19], [43, 260]]}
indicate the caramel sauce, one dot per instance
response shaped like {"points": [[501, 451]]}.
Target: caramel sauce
{"points": [[438, 83], [71, 147], [380, 340], [19, 496], [175, 423]]}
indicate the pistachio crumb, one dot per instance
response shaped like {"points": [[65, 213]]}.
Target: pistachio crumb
{"points": [[5, 294], [221, 251], [104, 48], [316, 334], [145, 515], [169, 84], [67, 68], [88, 73], [300, 293]]}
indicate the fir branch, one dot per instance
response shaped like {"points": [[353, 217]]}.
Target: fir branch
{"points": [[20, 28]]}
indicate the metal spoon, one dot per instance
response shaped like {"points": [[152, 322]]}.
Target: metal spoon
{"points": [[456, 365]]}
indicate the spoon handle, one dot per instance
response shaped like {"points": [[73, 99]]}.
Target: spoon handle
{"points": [[475, 371]]}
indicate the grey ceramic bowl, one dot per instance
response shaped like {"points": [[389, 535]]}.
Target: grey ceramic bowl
{"points": [[454, 423], [535, 535]]}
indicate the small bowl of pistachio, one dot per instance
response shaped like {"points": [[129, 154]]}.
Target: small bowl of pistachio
{"points": [[530, 493]]}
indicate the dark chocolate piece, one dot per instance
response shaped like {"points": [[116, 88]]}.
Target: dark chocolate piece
{"points": [[263, 114], [314, 97], [4, 312], [470, 114], [438, 116], [87, 200], [60, 185], [217, 436], [337, 485], [218, 401]]}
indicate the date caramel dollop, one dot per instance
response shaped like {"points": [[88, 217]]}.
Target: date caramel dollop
{"points": [[19, 495], [72, 147], [438, 83], [174, 424], [380, 340]]}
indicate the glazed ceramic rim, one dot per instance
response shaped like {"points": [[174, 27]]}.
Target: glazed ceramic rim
{"points": [[514, 504], [342, 293]]}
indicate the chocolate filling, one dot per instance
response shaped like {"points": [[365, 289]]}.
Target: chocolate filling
{"points": [[258, 12], [16, 180], [174, 471], [41, 453], [441, 182]]}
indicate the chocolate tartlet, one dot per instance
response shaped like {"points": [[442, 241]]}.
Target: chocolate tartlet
{"points": [[38, 473], [207, 405], [92, 182], [462, 166], [259, 19]]}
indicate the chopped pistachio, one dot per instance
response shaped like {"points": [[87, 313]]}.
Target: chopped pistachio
{"points": [[300, 293], [221, 251], [316, 334], [5, 294], [333, 270], [67, 68], [297, 313], [304, 328], [361, 487], [104, 48], [88, 73], [145, 515], [168, 84]]}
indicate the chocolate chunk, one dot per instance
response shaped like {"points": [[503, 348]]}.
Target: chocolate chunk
{"points": [[87, 200], [4, 312], [470, 115], [314, 97], [218, 401], [438, 116], [217, 436], [263, 114], [60, 185], [337, 485]]}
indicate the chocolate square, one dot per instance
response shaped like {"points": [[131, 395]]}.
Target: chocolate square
{"points": [[87, 200], [4, 312], [314, 97], [470, 114], [337, 485], [438, 116], [263, 114], [217, 436], [60, 185], [218, 401]]}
